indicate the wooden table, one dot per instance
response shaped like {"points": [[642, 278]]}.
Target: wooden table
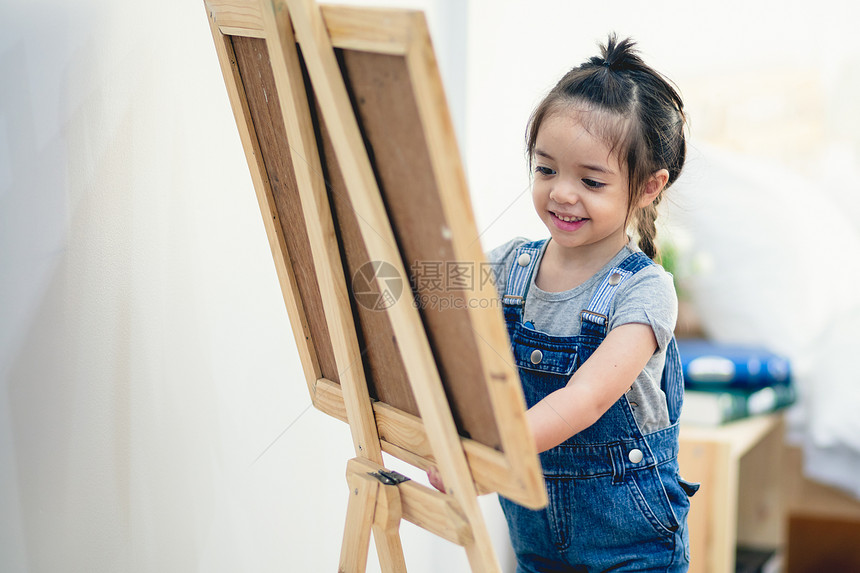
{"points": [[740, 502]]}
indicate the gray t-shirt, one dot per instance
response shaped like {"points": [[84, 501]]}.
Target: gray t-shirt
{"points": [[647, 297]]}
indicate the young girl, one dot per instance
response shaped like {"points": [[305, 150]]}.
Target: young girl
{"points": [[590, 317]]}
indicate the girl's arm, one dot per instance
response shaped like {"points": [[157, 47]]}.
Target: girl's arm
{"points": [[597, 384]]}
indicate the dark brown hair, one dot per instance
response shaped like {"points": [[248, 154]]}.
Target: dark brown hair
{"points": [[635, 110]]}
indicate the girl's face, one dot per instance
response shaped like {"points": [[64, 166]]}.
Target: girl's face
{"points": [[580, 189]]}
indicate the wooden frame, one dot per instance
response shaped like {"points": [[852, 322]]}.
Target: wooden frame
{"points": [[344, 124]]}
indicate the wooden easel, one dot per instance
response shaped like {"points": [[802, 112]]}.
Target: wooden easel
{"points": [[344, 124]]}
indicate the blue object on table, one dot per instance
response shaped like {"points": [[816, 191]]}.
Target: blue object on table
{"points": [[714, 365]]}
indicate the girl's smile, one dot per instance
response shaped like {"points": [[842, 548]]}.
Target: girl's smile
{"points": [[567, 223]]}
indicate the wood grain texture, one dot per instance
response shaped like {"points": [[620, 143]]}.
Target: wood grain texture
{"points": [[486, 320], [363, 492], [240, 17], [379, 30], [381, 93], [262, 95], [268, 210], [383, 363]]}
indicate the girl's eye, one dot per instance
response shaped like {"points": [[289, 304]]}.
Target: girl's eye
{"points": [[593, 184], [544, 170]]}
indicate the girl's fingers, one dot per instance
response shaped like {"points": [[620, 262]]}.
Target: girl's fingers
{"points": [[435, 479]]}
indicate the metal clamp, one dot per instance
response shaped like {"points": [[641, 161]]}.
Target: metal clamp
{"points": [[388, 477]]}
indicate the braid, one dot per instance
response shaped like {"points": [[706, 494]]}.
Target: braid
{"points": [[647, 229]]}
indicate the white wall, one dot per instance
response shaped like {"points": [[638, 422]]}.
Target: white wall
{"points": [[153, 412]]}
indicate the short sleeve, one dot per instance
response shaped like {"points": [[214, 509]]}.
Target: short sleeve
{"points": [[647, 297], [500, 260]]}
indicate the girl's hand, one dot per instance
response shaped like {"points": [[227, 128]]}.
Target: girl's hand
{"points": [[435, 479]]}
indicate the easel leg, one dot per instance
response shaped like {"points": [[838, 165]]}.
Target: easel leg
{"points": [[359, 517], [386, 529], [371, 505]]}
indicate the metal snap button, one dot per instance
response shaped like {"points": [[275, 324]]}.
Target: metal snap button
{"points": [[524, 260], [536, 357], [614, 278], [635, 455]]}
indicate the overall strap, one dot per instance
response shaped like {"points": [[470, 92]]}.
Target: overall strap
{"points": [[595, 316], [525, 260]]}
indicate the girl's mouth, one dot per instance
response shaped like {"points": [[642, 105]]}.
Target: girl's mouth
{"points": [[567, 223]]}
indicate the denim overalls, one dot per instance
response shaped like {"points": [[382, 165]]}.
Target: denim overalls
{"points": [[616, 500]]}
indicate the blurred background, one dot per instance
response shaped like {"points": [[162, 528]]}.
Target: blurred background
{"points": [[153, 413]]}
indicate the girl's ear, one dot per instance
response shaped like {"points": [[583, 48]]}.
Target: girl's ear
{"points": [[653, 187]]}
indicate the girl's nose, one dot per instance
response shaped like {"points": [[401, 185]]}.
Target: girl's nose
{"points": [[564, 193]]}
